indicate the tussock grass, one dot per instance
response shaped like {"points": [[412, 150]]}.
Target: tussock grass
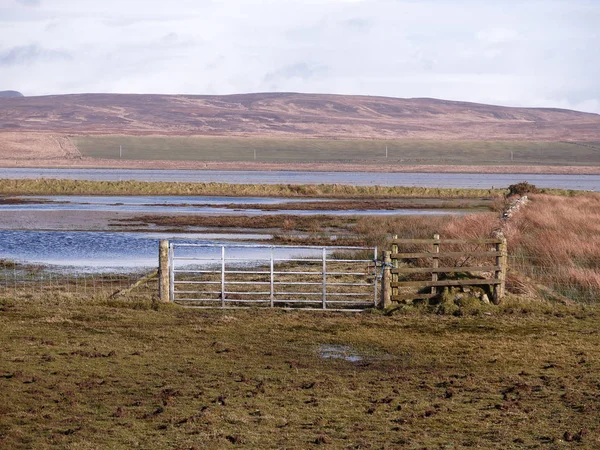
{"points": [[83, 373], [556, 240]]}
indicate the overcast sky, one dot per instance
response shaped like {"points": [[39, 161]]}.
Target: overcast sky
{"points": [[508, 52]]}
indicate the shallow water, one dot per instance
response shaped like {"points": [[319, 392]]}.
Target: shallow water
{"points": [[345, 352], [434, 180], [101, 251], [195, 205]]}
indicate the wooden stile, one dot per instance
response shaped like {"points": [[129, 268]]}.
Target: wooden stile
{"points": [[497, 266]]}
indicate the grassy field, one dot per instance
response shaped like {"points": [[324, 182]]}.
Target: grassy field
{"points": [[201, 148], [82, 373]]}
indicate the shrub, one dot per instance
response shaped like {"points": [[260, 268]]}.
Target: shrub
{"points": [[522, 188]]}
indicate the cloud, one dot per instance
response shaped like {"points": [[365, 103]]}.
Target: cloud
{"points": [[30, 53], [29, 2], [357, 24], [497, 35], [299, 70]]}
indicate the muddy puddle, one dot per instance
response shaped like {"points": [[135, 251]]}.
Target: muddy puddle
{"points": [[345, 352]]}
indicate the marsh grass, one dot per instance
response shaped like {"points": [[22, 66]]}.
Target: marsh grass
{"points": [[314, 223], [95, 373], [45, 186]]}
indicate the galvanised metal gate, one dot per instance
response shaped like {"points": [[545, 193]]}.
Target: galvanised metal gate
{"points": [[332, 278]]}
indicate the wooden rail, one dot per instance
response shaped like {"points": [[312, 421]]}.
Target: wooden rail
{"points": [[495, 256]]}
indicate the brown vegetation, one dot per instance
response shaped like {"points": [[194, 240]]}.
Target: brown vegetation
{"points": [[556, 240]]}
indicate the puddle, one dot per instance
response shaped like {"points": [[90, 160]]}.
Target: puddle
{"points": [[345, 352]]}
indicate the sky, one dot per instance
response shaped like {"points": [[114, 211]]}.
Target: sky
{"points": [[543, 53]]}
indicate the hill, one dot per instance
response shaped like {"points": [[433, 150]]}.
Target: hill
{"points": [[10, 94], [293, 115]]}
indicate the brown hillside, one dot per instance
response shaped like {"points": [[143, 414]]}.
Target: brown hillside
{"points": [[292, 115]]}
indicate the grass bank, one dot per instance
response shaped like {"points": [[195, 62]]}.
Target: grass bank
{"points": [[46, 186], [123, 374], [82, 187]]}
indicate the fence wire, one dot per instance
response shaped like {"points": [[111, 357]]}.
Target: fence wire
{"points": [[19, 280], [555, 276]]}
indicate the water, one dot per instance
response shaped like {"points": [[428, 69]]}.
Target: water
{"points": [[345, 352], [433, 180], [169, 200], [195, 205], [85, 251]]}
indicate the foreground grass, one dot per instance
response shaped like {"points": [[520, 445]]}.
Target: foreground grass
{"points": [[366, 151], [84, 373]]}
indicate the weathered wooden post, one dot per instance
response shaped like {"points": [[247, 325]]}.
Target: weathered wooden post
{"points": [[500, 273], [386, 278], [395, 250], [436, 261], [163, 271]]}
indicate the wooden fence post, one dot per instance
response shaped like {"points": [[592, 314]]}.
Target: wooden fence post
{"points": [[500, 275], [394, 262], [163, 271], [386, 291], [436, 262]]}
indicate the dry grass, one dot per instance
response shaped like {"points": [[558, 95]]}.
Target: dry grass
{"points": [[379, 230], [556, 240]]}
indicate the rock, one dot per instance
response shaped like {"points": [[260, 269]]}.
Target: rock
{"points": [[485, 299]]}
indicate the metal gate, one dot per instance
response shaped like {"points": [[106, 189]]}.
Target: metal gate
{"points": [[332, 278]]}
